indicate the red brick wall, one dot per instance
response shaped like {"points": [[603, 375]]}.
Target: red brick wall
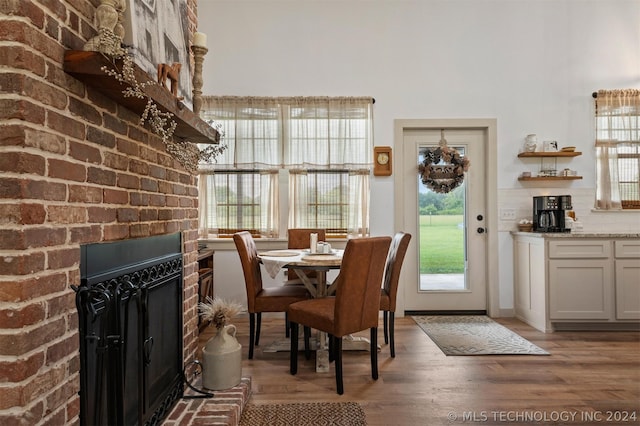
{"points": [[75, 168]]}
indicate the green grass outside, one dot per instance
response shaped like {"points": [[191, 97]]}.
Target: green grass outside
{"points": [[441, 245]]}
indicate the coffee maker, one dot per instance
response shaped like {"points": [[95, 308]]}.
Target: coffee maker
{"points": [[549, 213]]}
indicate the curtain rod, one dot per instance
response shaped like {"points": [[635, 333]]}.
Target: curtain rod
{"points": [[595, 95]]}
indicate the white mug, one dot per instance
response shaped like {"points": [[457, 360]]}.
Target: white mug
{"points": [[324, 247]]}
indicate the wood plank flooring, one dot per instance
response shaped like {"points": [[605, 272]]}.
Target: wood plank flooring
{"points": [[590, 378]]}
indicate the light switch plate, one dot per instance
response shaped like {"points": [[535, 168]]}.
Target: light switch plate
{"points": [[507, 214]]}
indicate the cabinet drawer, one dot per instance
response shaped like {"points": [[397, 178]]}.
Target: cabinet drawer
{"points": [[567, 249], [627, 248]]}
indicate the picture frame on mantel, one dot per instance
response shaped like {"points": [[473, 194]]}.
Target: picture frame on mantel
{"points": [[158, 33]]}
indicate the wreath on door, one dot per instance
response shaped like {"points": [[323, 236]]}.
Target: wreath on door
{"points": [[446, 177]]}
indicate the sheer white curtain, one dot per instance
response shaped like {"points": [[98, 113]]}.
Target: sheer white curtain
{"points": [[306, 210], [332, 133], [269, 209], [252, 131], [206, 199], [607, 186], [295, 133], [268, 196], [358, 219], [298, 195], [617, 132], [252, 134]]}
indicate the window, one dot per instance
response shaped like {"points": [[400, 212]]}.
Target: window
{"points": [[617, 149], [237, 206], [321, 200], [320, 146], [328, 201], [628, 180]]}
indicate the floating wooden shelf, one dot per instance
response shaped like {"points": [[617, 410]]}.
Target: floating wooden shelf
{"points": [[542, 156], [536, 178], [86, 67], [549, 154]]}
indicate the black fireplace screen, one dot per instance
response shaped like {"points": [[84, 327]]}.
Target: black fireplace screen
{"points": [[130, 319]]}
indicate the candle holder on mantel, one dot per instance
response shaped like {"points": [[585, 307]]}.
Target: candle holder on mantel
{"points": [[198, 59], [110, 28]]}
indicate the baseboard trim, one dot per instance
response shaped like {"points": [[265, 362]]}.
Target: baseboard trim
{"points": [[595, 326]]}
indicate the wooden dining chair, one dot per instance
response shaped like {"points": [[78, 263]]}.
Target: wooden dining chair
{"points": [[389, 289], [355, 306], [298, 238], [260, 299]]}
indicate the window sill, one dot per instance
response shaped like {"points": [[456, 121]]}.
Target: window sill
{"points": [[227, 244], [615, 211]]}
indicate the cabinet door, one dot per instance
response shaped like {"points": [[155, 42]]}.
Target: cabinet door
{"points": [[530, 293], [581, 289], [523, 280], [627, 289]]}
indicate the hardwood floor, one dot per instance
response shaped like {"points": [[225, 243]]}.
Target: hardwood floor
{"points": [[590, 378]]}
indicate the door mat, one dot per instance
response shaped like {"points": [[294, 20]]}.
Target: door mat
{"points": [[304, 414], [474, 335]]}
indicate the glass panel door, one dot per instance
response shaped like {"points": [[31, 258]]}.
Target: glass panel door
{"points": [[450, 262], [441, 228]]}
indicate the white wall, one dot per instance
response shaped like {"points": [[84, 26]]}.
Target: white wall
{"points": [[531, 64]]}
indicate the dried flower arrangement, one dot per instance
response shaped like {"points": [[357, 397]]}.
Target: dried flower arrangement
{"points": [[218, 311], [210, 153]]}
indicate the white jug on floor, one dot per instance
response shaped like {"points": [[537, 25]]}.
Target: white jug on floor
{"points": [[222, 360]]}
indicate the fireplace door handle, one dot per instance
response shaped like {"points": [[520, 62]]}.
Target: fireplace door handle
{"points": [[148, 347]]}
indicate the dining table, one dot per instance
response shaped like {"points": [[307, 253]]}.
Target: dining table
{"points": [[302, 261]]}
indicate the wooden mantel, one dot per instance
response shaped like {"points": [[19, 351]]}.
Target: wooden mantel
{"points": [[86, 67]]}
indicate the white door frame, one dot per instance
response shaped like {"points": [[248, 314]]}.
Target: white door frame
{"points": [[410, 268]]}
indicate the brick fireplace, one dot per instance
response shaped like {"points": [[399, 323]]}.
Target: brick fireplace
{"points": [[75, 169]]}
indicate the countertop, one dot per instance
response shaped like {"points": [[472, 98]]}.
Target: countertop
{"points": [[577, 234]]}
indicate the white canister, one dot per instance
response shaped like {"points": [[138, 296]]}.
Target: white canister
{"points": [[313, 243]]}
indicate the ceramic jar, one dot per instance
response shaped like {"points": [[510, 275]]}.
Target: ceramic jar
{"points": [[222, 360], [530, 143]]}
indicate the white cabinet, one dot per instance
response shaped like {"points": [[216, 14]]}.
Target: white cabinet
{"points": [[627, 270], [580, 289], [576, 282], [580, 279], [530, 295]]}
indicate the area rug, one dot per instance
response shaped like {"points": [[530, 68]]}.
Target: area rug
{"points": [[474, 335], [304, 414]]}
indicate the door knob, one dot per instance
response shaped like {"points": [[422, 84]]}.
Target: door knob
{"points": [[481, 230]]}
